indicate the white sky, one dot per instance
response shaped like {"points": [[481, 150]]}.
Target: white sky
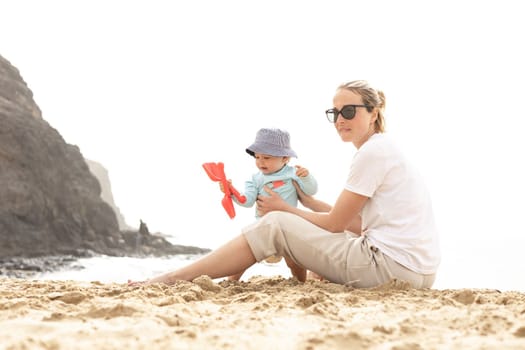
{"points": [[153, 89]]}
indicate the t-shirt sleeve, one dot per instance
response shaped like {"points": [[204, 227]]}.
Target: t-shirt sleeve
{"points": [[250, 192], [367, 171]]}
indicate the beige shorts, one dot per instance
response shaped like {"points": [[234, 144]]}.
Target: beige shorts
{"points": [[339, 257]]}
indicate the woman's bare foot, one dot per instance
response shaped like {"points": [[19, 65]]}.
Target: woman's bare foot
{"points": [[136, 283]]}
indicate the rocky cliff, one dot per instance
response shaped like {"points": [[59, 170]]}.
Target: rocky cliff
{"points": [[101, 173], [50, 202]]}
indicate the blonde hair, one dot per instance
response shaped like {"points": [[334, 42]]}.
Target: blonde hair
{"points": [[373, 98]]}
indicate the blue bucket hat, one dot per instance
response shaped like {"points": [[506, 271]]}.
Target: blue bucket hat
{"points": [[274, 142]]}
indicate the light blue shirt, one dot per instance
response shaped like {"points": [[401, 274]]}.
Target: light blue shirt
{"points": [[280, 182]]}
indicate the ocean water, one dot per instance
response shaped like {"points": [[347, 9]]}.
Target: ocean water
{"points": [[487, 262], [108, 269], [463, 266]]}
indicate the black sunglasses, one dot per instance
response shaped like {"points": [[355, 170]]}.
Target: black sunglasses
{"points": [[348, 112]]}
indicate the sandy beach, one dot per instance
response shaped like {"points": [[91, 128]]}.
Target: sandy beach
{"points": [[262, 313]]}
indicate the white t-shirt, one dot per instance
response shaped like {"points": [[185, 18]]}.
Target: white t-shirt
{"points": [[398, 217]]}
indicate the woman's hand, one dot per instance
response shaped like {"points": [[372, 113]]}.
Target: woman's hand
{"points": [[303, 197], [273, 201]]}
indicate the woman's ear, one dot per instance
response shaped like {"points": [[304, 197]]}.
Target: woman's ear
{"points": [[286, 160], [375, 113]]}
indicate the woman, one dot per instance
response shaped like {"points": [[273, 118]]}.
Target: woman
{"points": [[381, 227]]}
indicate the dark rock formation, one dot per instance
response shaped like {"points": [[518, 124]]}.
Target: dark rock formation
{"points": [[20, 267], [50, 202]]}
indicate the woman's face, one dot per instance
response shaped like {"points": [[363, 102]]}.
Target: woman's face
{"points": [[358, 129], [269, 164]]}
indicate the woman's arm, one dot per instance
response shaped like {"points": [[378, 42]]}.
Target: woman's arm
{"points": [[343, 215], [322, 207], [310, 202], [355, 225]]}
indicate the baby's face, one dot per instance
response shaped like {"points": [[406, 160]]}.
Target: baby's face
{"points": [[269, 164]]}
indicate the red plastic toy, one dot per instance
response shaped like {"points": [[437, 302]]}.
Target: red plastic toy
{"points": [[215, 172]]}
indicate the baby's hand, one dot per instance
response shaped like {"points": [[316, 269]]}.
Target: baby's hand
{"points": [[221, 186], [300, 171]]}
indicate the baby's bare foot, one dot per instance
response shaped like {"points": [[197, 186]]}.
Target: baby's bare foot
{"points": [[299, 273], [314, 276]]}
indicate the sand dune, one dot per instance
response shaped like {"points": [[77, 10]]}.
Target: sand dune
{"points": [[263, 313]]}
